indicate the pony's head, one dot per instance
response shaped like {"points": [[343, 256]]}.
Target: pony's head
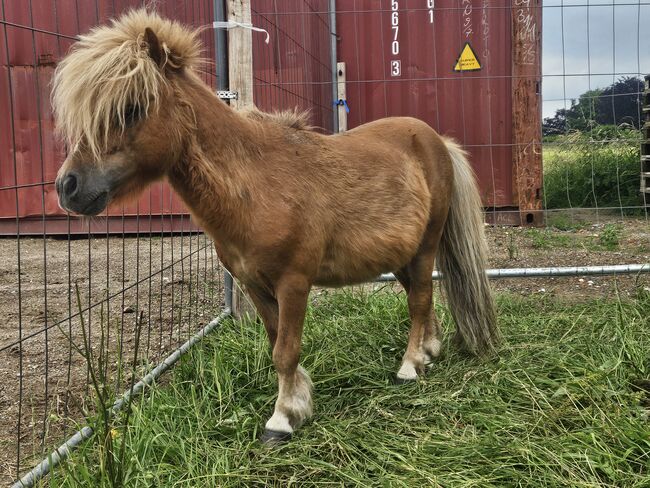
{"points": [[116, 103]]}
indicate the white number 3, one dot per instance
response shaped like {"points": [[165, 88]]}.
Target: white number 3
{"points": [[396, 68]]}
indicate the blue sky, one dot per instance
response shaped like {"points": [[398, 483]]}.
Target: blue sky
{"points": [[603, 40]]}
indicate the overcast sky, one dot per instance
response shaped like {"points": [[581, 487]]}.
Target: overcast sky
{"points": [[603, 40]]}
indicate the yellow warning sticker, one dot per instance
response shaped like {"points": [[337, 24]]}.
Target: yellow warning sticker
{"points": [[467, 61]]}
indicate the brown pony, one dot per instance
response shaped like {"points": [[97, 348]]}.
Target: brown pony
{"points": [[287, 207]]}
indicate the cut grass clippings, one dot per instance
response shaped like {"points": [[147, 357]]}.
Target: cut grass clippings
{"points": [[558, 407]]}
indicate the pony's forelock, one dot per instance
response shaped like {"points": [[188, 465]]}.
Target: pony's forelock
{"points": [[110, 69]]}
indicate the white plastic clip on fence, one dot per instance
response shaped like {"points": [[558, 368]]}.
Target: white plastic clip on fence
{"points": [[231, 24]]}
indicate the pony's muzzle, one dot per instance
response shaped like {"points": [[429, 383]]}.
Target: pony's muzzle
{"points": [[68, 186], [85, 196]]}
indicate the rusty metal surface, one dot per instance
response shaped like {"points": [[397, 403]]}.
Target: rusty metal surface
{"points": [[294, 70], [475, 107], [37, 35]]}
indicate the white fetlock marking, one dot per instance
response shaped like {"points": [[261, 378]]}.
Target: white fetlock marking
{"points": [[294, 407], [300, 401], [407, 371], [432, 347], [279, 422]]}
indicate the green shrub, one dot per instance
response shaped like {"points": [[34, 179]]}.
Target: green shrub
{"points": [[562, 221], [599, 168], [610, 237], [545, 239]]}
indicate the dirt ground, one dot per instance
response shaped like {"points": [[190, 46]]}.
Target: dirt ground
{"points": [[44, 380], [176, 283], [611, 241]]}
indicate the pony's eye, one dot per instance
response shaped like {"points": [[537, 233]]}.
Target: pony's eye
{"points": [[132, 114]]}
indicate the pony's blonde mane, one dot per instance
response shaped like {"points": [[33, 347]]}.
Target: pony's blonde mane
{"points": [[110, 69]]}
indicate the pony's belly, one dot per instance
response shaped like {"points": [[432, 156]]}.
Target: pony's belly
{"points": [[336, 278], [361, 263], [375, 235]]}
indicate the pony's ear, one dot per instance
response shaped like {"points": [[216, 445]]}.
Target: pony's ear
{"points": [[155, 50]]}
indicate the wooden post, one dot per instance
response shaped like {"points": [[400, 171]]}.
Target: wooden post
{"points": [[240, 75], [240, 54], [526, 110], [342, 112]]}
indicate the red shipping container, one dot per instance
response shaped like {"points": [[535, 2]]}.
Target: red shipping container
{"points": [[403, 58], [35, 35]]}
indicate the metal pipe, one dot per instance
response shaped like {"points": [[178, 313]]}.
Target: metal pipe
{"points": [[333, 39], [64, 450], [228, 288], [223, 84], [549, 272], [221, 46]]}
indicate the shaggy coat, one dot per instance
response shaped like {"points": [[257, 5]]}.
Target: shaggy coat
{"points": [[287, 207]]}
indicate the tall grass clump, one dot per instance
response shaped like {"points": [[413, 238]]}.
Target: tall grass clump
{"points": [[596, 168], [564, 404], [108, 467]]}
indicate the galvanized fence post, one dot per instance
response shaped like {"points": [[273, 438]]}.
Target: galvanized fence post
{"points": [[239, 44], [333, 60], [223, 85]]}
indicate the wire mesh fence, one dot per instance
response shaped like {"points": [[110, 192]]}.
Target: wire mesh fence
{"points": [[594, 90], [586, 132], [58, 273], [294, 71]]}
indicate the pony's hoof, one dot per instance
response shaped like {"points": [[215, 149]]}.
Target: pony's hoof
{"points": [[408, 372], [275, 437], [404, 381]]}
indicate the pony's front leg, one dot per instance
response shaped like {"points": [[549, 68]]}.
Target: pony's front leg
{"points": [[293, 405]]}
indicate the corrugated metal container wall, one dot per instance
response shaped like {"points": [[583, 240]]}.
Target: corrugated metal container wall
{"points": [[400, 60], [294, 70], [35, 35]]}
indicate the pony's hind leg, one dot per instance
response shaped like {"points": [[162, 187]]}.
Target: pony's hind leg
{"points": [[432, 343], [424, 337], [432, 339]]}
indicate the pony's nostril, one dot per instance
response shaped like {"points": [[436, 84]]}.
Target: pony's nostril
{"points": [[70, 185]]}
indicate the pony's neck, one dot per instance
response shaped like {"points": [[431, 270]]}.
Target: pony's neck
{"points": [[213, 176], [219, 128]]}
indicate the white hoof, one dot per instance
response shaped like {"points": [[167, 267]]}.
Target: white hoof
{"points": [[407, 372], [279, 422]]}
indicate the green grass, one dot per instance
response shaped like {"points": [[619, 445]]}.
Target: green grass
{"points": [[547, 239], [582, 171], [562, 221], [608, 239], [556, 408]]}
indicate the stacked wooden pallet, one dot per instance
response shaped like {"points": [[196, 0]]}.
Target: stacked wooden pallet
{"points": [[645, 144]]}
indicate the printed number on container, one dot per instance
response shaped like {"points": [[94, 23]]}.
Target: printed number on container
{"points": [[396, 68]]}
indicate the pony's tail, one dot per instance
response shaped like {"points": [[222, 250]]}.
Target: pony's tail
{"points": [[462, 258]]}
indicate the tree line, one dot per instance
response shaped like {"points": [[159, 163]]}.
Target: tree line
{"points": [[618, 104]]}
